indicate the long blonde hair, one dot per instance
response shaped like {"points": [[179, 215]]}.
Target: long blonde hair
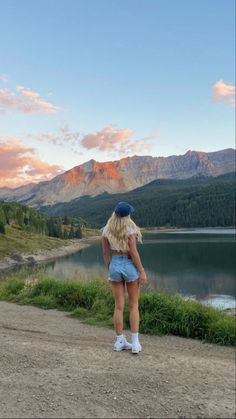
{"points": [[117, 232]]}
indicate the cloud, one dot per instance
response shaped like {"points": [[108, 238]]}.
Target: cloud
{"points": [[20, 164], [24, 100], [106, 139], [3, 78], [222, 92], [137, 146], [63, 137], [116, 140], [109, 139]]}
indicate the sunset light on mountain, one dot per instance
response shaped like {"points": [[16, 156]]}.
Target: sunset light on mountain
{"points": [[106, 79]]}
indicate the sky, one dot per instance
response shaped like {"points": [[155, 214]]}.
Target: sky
{"points": [[107, 79]]}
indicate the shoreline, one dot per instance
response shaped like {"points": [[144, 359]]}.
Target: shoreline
{"points": [[20, 259], [165, 229], [74, 245], [42, 255]]}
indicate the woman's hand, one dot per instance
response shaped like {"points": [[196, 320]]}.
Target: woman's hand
{"points": [[132, 239], [143, 278]]}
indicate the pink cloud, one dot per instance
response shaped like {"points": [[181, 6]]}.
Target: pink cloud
{"points": [[106, 139], [116, 140], [20, 164], [24, 100], [222, 92], [109, 139]]}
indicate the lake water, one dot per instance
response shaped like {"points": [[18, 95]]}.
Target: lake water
{"points": [[195, 263]]}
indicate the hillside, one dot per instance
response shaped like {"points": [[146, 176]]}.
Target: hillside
{"points": [[26, 235], [31, 220], [16, 242], [196, 202], [119, 176]]}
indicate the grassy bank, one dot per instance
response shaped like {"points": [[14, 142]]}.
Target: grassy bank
{"points": [[20, 241], [92, 302], [90, 232]]}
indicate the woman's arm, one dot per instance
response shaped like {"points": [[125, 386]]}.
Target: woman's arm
{"points": [[106, 251], [136, 258]]}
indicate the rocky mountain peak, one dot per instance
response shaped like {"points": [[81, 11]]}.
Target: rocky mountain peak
{"points": [[94, 178]]}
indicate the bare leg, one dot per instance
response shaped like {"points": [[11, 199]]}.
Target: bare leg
{"points": [[118, 290], [133, 289]]}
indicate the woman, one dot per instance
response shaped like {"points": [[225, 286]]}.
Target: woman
{"points": [[119, 235]]}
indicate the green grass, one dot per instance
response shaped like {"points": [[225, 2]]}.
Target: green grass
{"points": [[17, 241], [90, 232], [92, 302]]}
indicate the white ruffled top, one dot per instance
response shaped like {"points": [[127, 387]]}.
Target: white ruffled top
{"points": [[104, 233]]}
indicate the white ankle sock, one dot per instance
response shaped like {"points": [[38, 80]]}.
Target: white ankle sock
{"points": [[120, 337], [134, 338]]}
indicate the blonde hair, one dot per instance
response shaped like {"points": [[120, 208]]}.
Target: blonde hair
{"points": [[117, 232]]}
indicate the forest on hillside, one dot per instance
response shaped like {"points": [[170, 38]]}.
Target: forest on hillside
{"points": [[194, 202], [30, 219]]}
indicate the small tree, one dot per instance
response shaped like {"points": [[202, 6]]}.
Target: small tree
{"points": [[66, 220], [78, 233], [65, 234], [2, 228], [71, 233]]}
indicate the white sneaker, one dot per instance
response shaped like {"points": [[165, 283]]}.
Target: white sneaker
{"points": [[122, 344], [136, 348]]}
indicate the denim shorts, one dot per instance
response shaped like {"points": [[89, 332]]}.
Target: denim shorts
{"points": [[122, 268]]}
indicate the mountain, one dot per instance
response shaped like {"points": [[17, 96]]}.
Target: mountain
{"points": [[200, 201], [93, 178], [16, 192]]}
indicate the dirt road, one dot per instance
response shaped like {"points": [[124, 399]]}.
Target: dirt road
{"points": [[53, 366]]}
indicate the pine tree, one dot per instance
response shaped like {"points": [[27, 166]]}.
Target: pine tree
{"points": [[71, 233], [66, 220], [2, 228], [78, 233]]}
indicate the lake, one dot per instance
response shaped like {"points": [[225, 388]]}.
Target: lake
{"points": [[196, 263]]}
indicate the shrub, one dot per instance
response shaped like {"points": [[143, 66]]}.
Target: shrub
{"points": [[93, 302], [11, 289]]}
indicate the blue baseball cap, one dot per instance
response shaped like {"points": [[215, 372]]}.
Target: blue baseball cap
{"points": [[123, 209]]}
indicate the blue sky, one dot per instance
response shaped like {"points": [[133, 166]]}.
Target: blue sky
{"points": [[145, 77]]}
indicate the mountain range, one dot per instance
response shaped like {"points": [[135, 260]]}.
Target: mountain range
{"points": [[199, 201], [93, 178]]}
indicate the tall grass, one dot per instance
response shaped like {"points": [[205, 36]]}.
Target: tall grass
{"points": [[93, 303]]}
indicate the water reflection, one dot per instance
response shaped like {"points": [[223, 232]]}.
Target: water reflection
{"points": [[73, 270], [202, 265]]}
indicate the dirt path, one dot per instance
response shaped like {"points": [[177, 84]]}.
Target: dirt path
{"points": [[53, 366]]}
